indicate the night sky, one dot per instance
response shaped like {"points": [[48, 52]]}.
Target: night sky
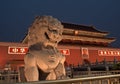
{"points": [[16, 16]]}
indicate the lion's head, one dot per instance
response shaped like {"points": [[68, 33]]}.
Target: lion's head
{"points": [[46, 30]]}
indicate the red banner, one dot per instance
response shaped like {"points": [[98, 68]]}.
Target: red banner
{"points": [[17, 50], [23, 50], [65, 51], [108, 53]]}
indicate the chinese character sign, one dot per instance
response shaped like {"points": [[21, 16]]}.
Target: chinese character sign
{"points": [[17, 50], [108, 53], [65, 51]]}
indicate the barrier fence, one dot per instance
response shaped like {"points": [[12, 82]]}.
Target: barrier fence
{"points": [[9, 78], [109, 79], [106, 79]]}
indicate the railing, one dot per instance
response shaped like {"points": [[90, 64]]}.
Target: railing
{"points": [[102, 63], [9, 78], [94, 73], [83, 77], [109, 79]]}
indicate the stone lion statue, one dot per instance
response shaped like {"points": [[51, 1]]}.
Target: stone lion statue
{"points": [[43, 60]]}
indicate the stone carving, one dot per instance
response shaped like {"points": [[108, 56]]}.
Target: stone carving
{"points": [[43, 60]]}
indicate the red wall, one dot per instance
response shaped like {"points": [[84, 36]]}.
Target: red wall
{"points": [[74, 57], [3, 56], [8, 58]]}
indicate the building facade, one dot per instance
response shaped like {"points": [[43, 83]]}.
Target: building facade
{"points": [[80, 44]]}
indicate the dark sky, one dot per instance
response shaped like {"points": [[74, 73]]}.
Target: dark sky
{"points": [[17, 15]]}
